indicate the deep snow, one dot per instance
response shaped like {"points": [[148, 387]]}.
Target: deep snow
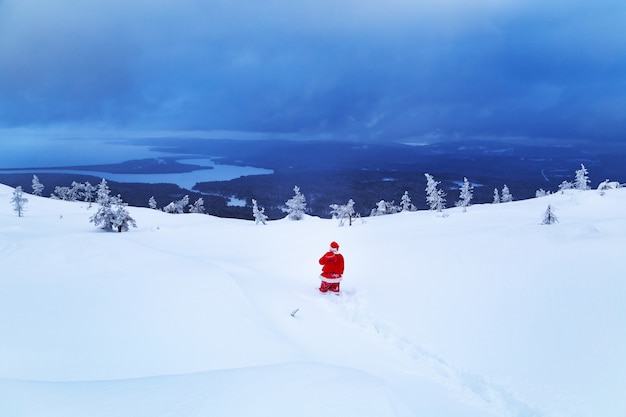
{"points": [[482, 313]]}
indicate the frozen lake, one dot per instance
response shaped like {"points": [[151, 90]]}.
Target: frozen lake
{"points": [[44, 155], [183, 179]]}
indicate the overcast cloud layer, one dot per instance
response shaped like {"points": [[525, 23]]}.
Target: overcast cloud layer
{"points": [[393, 69]]}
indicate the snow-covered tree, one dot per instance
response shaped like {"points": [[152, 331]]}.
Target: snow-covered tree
{"points": [[541, 193], [565, 185], [104, 215], [435, 197], [507, 197], [384, 207], [122, 219], [609, 185], [582, 178], [76, 191], [182, 203], [296, 205], [152, 203], [405, 203], [466, 193], [111, 213], [258, 213], [19, 201], [102, 192], [496, 196], [37, 186], [61, 193], [548, 216], [380, 209], [343, 212], [197, 207], [177, 207], [170, 208], [88, 190]]}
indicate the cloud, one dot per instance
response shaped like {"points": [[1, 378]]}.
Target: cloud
{"points": [[364, 69]]}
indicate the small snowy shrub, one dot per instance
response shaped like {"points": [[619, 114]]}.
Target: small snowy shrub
{"points": [[343, 212], [258, 213], [383, 207], [549, 217]]}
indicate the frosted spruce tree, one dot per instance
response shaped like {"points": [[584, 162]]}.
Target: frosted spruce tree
{"points": [[380, 209], [61, 193], [609, 185], [122, 219], [384, 207], [507, 197], [435, 197], [197, 207], [170, 208], [19, 201], [258, 213], [76, 191], [496, 196], [152, 203], [466, 193], [37, 186], [343, 212], [88, 191], [296, 205], [582, 179], [565, 185], [405, 203], [178, 206], [104, 215], [182, 203], [102, 191], [549, 217], [112, 214]]}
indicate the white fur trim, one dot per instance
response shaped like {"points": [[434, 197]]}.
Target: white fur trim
{"points": [[330, 280]]}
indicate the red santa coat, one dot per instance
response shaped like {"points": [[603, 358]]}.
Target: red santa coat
{"points": [[332, 268]]}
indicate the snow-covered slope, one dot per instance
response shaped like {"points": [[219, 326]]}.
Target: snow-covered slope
{"points": [[482, 313]]}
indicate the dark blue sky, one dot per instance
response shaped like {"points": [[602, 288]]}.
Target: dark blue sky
{"points": [[388, 70]]}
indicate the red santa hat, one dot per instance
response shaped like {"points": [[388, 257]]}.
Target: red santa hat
{"points": [[334, 245]]}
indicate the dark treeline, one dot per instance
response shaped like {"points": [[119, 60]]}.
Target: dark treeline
{"points": [[332, 173], [321, 189]]}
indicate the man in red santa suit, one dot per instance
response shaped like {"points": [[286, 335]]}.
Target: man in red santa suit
{"points": [[332, 269]]}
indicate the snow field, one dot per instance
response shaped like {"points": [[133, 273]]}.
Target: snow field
{"points": [[480, 313]]}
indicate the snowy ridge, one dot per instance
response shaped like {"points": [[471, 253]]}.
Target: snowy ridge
{"points": [[483, 313]]}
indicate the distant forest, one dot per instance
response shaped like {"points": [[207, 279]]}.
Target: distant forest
{"points": [[334, 172]]}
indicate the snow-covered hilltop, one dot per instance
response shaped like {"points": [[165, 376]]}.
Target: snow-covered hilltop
{"points": [[479, 313]]}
